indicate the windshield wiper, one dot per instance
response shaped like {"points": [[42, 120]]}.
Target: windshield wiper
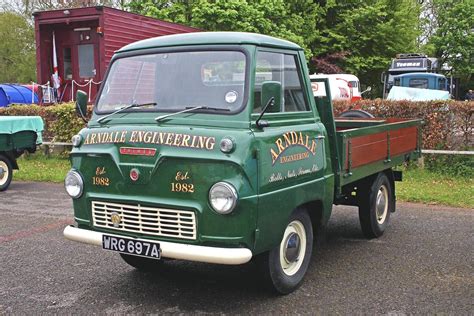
{"points": [[190, 109], [133, 105]]}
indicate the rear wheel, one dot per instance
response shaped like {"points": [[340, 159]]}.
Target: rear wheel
{"points": [[285, 266], [142, 263], [375, 205], [6, 172]]}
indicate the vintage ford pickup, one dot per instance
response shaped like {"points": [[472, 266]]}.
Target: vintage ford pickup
{"points": [[211, 147], [17, 134]]}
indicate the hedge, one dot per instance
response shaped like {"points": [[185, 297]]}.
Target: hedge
{"points": [[448, 124]]}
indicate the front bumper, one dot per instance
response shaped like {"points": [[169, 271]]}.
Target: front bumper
{"points": [[231, 256]]}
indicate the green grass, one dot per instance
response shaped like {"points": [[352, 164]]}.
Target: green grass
{"points": [[418, 185], [39, 167], [421, 185]]}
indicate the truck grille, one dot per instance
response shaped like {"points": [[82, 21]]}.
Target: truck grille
{"points": [[146, 220]]}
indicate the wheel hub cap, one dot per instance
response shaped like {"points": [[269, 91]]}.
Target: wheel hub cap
{"points": [[292, 249], [2, 172], [381, 206]]}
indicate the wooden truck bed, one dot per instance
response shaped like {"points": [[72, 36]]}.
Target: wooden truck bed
{"points": [[367, 146]]}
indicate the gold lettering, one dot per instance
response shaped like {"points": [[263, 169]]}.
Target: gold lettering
{"points": [[155, 134], [301, 142], [185, 141], [192, 143], [177, 139], [162, 138], [93, 138], [287, 140], [313, 147], [202, 140], [123, 136], [169, 139], [148, 137], [278, 142], [86, 142], [133, 137], [210, 142]]}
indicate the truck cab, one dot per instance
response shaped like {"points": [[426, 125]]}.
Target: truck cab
{"points": [[211, 147]]}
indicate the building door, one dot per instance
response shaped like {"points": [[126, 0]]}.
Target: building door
{"points": [[85, 56]]}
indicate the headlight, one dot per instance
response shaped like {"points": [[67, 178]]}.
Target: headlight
{"points": [[76, 140], [74, 184], [223, 197]]}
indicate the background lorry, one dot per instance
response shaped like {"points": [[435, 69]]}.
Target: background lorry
{"points": [[417, 71], [17, 134], [211, 147]]}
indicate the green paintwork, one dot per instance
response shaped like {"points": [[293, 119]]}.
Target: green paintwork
{"points": [[210, 38], [271, 180]]}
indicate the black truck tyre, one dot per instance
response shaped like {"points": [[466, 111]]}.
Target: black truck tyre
{"points": [[376, 202], [356, 114], [285, 266], [6, 172], [142, 263]]}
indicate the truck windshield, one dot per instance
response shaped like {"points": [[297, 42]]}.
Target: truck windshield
{"points": [[175, 81]]}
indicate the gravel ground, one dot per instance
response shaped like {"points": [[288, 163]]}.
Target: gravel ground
{"points": [[422, 265]]}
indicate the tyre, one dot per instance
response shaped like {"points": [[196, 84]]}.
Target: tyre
{"points": [[142, 263], [376, 202], [285, 266], [356, 114], [6, 172]]}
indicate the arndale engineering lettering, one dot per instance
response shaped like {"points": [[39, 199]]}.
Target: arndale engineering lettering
{"points": [[150, 137]]}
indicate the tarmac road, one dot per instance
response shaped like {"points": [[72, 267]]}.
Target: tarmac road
{"points": [[422, 265]]}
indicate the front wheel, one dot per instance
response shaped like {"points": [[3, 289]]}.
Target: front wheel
{"points": [[6, 172], [285, 266], [376, 202]]}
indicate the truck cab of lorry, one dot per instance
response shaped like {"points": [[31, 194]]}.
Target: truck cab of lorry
{"points": [[211, 147]]}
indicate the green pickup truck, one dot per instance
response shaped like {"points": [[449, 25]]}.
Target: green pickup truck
{"points": [[210, 147], [17, 134]]}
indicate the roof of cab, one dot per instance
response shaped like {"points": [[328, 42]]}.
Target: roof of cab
{"points": [[210, 38]]}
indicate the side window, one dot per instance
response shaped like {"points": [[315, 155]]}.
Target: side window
{"points": [[283, 68]]}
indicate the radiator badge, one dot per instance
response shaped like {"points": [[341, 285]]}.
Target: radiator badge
{"points": [[116, 219], [291, 140]]}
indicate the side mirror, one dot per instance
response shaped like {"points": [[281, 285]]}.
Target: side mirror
{"points": [[270, 100], [271, 89], [81, 104]]}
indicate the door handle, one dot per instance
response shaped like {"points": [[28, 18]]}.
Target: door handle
{"points": [[320, 137]]}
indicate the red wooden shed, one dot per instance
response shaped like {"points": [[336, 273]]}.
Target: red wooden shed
{"points": [[86, 39]]}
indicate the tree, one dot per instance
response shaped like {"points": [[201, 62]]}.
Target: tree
{"points": [[452, 35], [370, 33], [294, 20], [17, 49]]}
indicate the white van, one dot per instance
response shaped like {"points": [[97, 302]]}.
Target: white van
{"points": [[343, 86]]}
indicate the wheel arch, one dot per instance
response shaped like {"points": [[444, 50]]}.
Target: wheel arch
{"points": [[11, 158]]}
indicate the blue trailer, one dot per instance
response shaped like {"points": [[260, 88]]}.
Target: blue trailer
{"points": [[13, 93]]}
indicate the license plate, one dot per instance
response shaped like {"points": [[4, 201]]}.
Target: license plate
{"points": [[131, 246]]}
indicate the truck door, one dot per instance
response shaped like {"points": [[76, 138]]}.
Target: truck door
{"points": [[291, 153]]}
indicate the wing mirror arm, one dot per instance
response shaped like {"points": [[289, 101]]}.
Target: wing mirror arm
{"points": [[259, 122]]}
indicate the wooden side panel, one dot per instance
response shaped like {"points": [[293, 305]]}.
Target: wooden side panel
{"points": [[403, 140], [367, 149], [363, 150]]}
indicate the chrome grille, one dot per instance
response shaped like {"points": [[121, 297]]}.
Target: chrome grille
{"points": [[145, 219]]}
